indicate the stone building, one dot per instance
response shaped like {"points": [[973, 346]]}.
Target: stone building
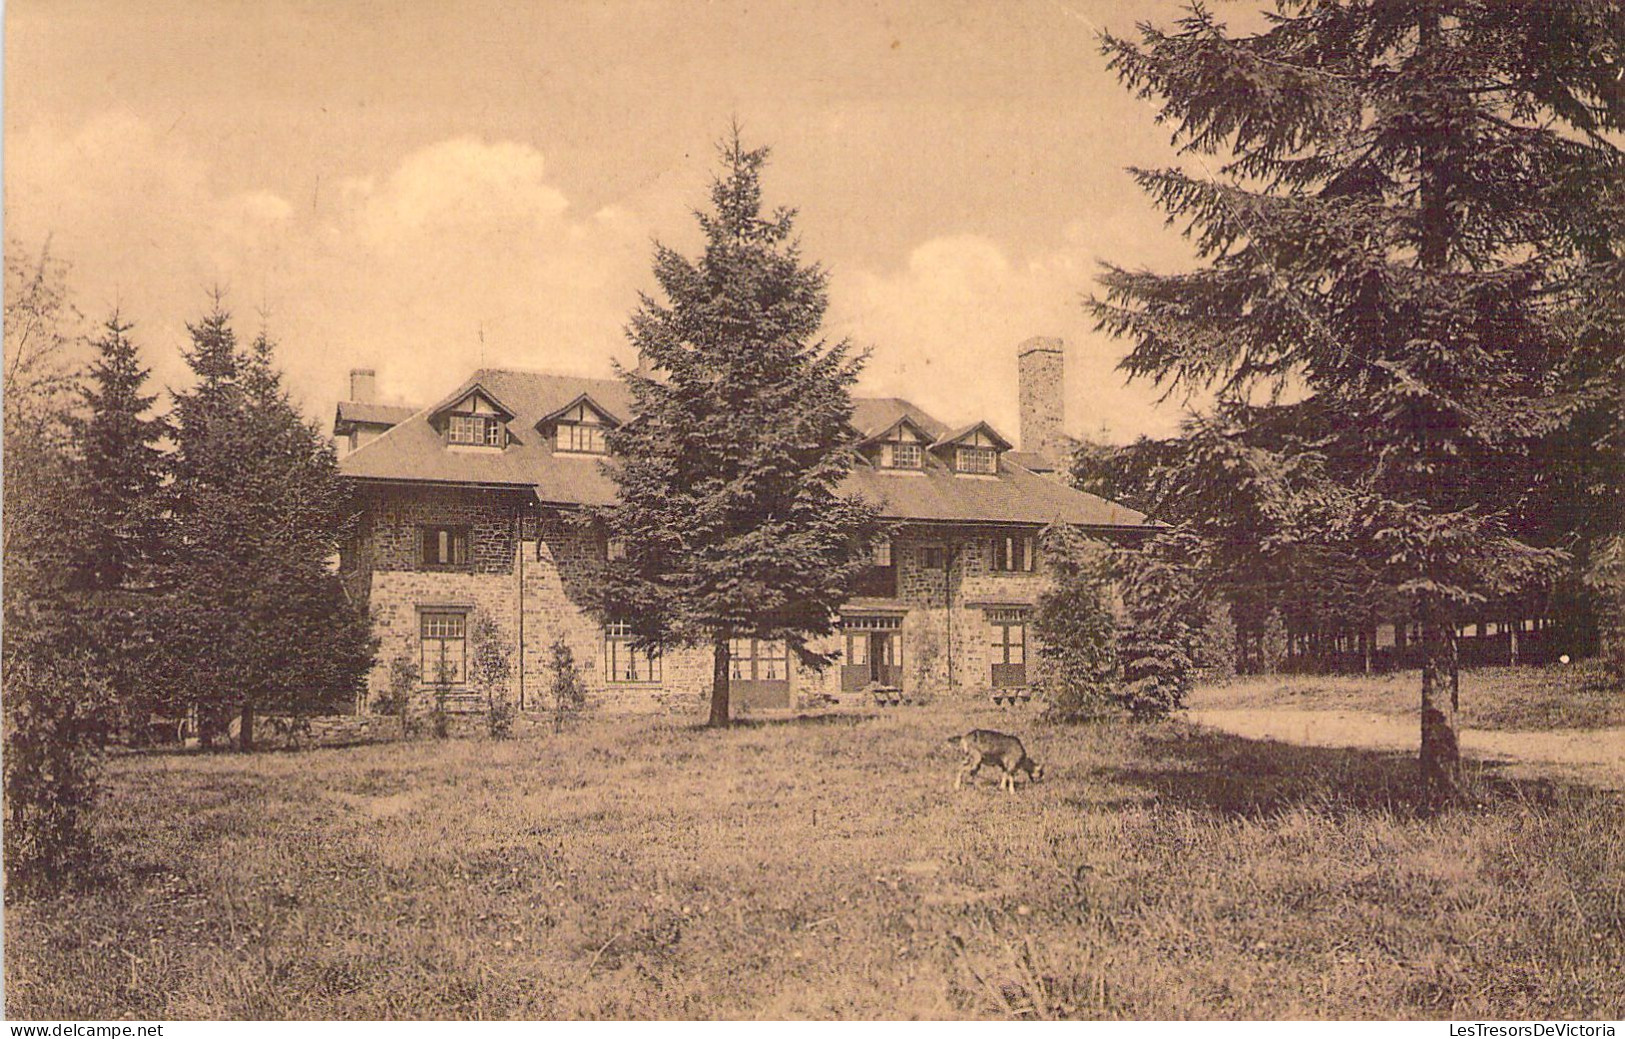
{"points": [[474, 504]]}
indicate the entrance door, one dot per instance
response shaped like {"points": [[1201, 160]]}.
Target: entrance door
{"points": [[885, 662], [874, 652], [1009, 648], [759, 674]]}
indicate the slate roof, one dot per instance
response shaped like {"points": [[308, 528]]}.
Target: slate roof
{"points": [[1038, 463], [872, 416], [355, 413], [413, 451]]}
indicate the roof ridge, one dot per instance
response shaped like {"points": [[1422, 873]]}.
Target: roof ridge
{"points": [[542, 371]]}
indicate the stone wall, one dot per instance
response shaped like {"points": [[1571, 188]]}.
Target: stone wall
{"points": [[531, 571], [962, 636], [275, 732], [399, 517], [932, 634], [561, 559]]}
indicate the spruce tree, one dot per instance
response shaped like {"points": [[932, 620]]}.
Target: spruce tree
{"points": [[120, 466], [253, 610], [1416, 228], [729, 474]]}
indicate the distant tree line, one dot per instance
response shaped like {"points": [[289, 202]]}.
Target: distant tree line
{"points": [[160, 566]]}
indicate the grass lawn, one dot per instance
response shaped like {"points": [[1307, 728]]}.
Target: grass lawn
{"points": [[1573, 696], [825, 868]]}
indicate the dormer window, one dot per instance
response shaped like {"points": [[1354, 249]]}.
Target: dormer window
{"points": [[581, 428], [581, 439], [483, 430], [902, 446], [974, 450], [474, 418], [981, 460], [901, 456]]}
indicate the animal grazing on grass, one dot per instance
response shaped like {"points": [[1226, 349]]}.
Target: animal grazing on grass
{"points": [[981, 746]]}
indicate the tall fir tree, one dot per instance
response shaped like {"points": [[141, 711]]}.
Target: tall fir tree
{"points": [[120, 465], [1420, 196], [253, 609], [729, 474]]}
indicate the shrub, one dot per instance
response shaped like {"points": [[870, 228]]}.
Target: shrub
{"points": [[404, 675], [569, 694], [1164, 617], [490, 667], [439, 718], [54, 710], [1076, 630]]}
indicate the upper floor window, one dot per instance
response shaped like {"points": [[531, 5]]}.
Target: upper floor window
{"points": [[581, 439], [1013, 553], [982, 460], [481, 430], [882, 553], [614, 549], [445, 546]]}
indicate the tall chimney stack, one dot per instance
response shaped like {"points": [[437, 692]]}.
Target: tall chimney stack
{"points": [[1041, 367], [363, 385]]}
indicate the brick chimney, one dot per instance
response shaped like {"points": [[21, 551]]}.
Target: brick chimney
{"points": [[363, 385], [1041, 366]]}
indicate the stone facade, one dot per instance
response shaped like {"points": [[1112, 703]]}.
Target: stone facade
{"points": [[528, 570], [946, 586]]}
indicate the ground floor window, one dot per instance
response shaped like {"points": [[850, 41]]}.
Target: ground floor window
{"points": [[758, 660], [443, 647], [623, 661]]}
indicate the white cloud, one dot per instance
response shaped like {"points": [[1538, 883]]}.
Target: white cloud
{"points": [[945, 329], [458, 185], [400, 268]]}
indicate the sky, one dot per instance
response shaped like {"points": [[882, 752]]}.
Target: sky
{"points": [[425, 187]]}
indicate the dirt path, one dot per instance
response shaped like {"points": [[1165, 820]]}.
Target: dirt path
{"points": [[1592, 756]]}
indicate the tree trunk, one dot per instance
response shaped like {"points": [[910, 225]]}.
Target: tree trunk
{"points": [[720, 717], [245, 739], [1441, 750]]}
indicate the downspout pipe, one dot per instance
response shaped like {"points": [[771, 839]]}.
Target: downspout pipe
{"points": [[950, 553]]}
